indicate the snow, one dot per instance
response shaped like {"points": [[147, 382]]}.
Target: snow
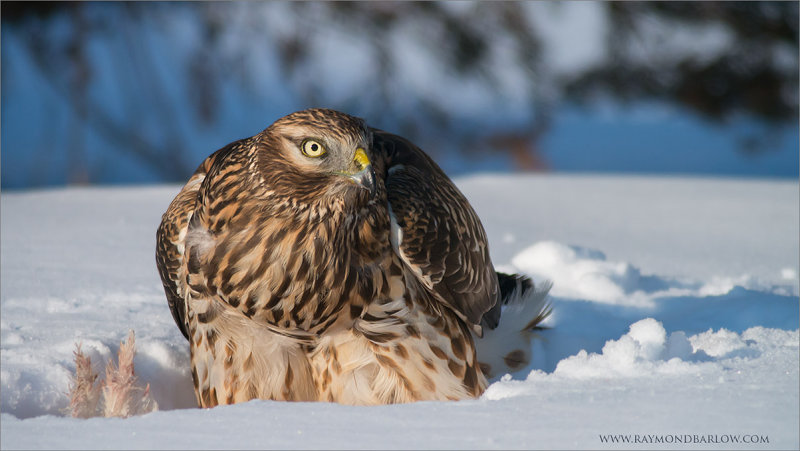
{"points": [[675, 318]]}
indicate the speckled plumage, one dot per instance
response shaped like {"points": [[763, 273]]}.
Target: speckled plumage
{"points": [[294, 279]]}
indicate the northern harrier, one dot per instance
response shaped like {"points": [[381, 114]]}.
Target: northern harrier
{"points": [[324, 260]]}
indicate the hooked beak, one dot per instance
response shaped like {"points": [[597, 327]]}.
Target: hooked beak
{"points": [[365, 177]]}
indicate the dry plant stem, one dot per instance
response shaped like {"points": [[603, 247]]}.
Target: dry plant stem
{"points": [[84, 394], [118, 395]]}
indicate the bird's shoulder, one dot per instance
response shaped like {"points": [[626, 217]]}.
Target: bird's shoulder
{"points": [[398, 152], [435, 230]]}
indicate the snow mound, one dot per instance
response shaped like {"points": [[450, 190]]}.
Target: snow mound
{"points": [[648, 353], [583, 273], [645, 350], [40, 334]]}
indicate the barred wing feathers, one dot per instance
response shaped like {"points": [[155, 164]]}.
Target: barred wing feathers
{"points": [[437, 233], [171, 238]]}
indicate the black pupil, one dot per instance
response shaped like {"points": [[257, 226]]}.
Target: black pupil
{"points": [[314, 147]]}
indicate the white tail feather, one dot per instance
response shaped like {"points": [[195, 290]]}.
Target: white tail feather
{"points": [[507, 348]]}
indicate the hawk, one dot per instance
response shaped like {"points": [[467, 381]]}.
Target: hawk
{"points": [[325, 260]]}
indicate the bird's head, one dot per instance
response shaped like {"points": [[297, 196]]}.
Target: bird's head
{"points": [[320, 152]]}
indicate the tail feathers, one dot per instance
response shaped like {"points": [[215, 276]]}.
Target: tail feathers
{"points": [[523, 306]]}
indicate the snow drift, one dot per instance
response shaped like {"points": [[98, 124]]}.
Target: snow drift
{"points": [[675, 315]]}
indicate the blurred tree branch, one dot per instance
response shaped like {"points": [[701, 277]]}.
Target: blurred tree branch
{"points": [[64, 64], [754, 73], [747, 78]]}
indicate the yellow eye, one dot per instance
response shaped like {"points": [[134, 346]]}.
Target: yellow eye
{"points": [[312, 148]]}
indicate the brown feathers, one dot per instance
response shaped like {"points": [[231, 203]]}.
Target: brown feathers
{"points": [[354, 275]]}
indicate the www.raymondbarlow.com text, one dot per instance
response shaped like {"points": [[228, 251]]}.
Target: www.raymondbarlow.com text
{"points": [[684, 438]]}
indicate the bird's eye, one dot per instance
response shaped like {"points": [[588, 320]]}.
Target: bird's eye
{"points": [[312, 148]]}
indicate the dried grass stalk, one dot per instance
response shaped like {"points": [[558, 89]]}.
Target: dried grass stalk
{"points": [[84, 394], [121, 396]]}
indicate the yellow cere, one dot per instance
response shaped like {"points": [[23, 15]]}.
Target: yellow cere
{"points": [[361, 158]]}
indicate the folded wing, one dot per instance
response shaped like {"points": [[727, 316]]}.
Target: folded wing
{"points": [[437, 233]]}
